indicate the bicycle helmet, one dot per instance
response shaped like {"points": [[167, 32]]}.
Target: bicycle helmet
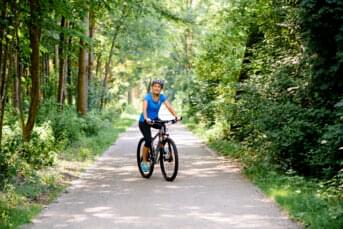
{"points": [[160, 82]]}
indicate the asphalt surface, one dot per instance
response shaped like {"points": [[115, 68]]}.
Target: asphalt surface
{"points": [[209, 192]]}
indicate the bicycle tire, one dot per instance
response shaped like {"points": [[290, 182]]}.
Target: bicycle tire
{"points": [[171, 146], [140, 158]]}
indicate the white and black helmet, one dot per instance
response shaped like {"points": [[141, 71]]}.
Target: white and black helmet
{"points": [[160, 82]]}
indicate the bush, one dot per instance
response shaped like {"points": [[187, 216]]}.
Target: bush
{"points": [[18, 157], [66, 125], [288, 135], [109, 115], [52, 132], [326, 159], [91, 124]]}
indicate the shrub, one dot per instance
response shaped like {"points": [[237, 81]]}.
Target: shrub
{"points": [[91, 124], [18, 157], [66, 125]]}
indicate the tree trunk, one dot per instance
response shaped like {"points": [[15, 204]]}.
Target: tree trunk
{"points": [[46, 73], [98, 65], [3, 86], [82, 84], [107, 67], [129, 95], [69, 77], [35, 33], [2, 30], [3, 68], [108, 63], [19, 73], [189, 41], [15, 81], [91, 56], [47, 67], [61, 81], [91, 51]]}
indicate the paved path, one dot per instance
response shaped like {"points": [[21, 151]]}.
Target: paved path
{"points": [[209, 192]]}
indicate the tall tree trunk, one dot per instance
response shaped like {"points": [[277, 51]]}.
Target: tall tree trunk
{"points": [[35, 33], [91, 51], [82, 84], [3, 86], [46, 73], [18, 97], [189, 40], [2, 28], [129, 95], [15, 81], [47, 67], [109, 61], [61, 81], [98, 65], [3, 67], [107, 67], [91, 56], [69, 77], [56, 59]]}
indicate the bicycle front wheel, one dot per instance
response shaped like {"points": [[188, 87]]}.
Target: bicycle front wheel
{"points": [[169, 160], [140, 159]]}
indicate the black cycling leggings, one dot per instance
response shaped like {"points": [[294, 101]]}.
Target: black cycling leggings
{"points": [[146, 131]]}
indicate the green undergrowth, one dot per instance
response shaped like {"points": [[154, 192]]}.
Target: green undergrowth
{"points": [[22, 196], [312, 202]]}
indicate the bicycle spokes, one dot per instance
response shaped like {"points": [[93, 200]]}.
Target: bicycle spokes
{"points": [[150, 160], [169, 161]]}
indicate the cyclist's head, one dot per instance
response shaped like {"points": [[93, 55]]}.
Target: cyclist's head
{"points": [[158, 82]]}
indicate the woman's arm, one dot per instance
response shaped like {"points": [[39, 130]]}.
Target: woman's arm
{"points": [[170, 108], [145, 107]]}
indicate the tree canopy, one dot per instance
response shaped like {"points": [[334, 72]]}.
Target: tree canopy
{"points": [[266, 74]]}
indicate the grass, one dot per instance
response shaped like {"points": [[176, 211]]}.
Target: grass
{"points": [[308, 201], [23, 198]]}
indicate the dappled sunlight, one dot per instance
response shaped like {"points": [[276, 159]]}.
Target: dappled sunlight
{"points": [[131, 138], [114, 195], [76, 218], [200, 172], [204, 162], [131, 179], [279, 193], [105, 215], [97, 209]]}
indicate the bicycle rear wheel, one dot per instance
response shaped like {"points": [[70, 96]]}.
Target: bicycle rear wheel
{"points": [[151, 160], [169, 160]]}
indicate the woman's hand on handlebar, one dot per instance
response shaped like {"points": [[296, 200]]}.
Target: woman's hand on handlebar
{"points": [[148, 121], [178, 118]]}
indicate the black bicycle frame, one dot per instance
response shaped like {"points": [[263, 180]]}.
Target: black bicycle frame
{"points": [[161, 132]]}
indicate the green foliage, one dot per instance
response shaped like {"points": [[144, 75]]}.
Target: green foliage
{"points": [[66, 126], [20, 199], [23, 192], [256, 82], [19, 158], [322, 24]]}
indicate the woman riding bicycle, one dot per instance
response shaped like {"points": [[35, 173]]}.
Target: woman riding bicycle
{"points": [[151, 106]]}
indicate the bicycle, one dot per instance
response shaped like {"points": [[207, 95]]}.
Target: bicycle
{"points": [[163, 150]]}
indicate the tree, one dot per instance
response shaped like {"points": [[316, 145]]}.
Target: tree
{"points": [[4, 57], [35, 34], [82, 84], [62, 64]]}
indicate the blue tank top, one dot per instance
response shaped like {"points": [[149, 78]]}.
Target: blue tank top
{"points": [[153, 106]]}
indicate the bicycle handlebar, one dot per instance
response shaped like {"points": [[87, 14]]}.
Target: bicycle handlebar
{"points": [[172, 121]]}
